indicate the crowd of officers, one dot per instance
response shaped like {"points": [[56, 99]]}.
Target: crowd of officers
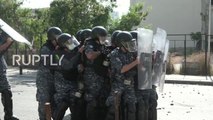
{"points": [[95, 80]]}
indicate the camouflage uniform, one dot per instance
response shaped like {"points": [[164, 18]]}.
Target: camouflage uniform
{"points": [[119, 83], [66, 80], [153, 104], [95, 77], [45, 82], [65, 89], [146, 102]]}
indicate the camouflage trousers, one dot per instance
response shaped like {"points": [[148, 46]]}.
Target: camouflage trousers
{"points": [[127, 93], [94, 94], [65, 89], [45, 91], [93, 84], [146, 104], [125, 101], [4, 83]]}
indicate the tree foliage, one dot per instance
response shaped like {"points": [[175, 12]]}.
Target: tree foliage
{"points": [[8, 12], [72, 15], [31, 23], [69, 15], [132, 19]]}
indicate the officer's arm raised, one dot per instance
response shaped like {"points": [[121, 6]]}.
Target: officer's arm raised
{"points": [[127, 67], [6, 45]]}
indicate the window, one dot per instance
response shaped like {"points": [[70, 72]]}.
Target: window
{"points": [[212, 2]]}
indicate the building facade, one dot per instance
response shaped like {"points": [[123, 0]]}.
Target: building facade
{"points": [[179, 17], [175, 16]]}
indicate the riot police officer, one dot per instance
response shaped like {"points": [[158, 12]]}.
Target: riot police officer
{"points": [[140, 106], [5, 89], [113, 38], [85, 35], [45, 76], [66, 74], [123, 65], [79, 110], [95, 72], [78, 35], [134, 34], [146, 98], [152, 115]]}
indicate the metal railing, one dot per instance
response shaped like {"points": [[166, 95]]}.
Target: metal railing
{"points": [[184, 45]]}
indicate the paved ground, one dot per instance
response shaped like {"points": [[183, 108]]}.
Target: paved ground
{"points": [[186, 102], [178, 102], [181, 79]]}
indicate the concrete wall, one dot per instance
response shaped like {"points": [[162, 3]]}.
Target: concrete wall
{"points": [[175, 16]]}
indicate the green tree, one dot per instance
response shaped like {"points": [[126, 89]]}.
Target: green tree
{"points": [[72, 15], [31, 23], [8, 12], [34, 24], [132, 19]]}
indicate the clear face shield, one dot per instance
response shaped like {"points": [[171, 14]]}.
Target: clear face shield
{"points": [[72, 43], [130, 46], [55, 41], [102, 40]]}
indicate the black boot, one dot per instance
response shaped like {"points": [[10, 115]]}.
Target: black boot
{"points": [[8, 105]]}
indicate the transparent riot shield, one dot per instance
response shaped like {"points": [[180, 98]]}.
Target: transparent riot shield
{"points": [[160, 41], [162, 80], [145, 39], [12, 33]]}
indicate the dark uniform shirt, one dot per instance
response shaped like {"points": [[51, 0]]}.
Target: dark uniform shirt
{"points": [[3, 64], [118, 60]]}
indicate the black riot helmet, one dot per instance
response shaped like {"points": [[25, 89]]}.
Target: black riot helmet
{"points": [[126, 40], [53, 33], [78, 35], [99, 31], [65, 40], [86, 33], [134, 34], [113, 37]]}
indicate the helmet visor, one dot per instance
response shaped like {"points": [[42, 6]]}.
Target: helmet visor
{"points": [[130, 46], [71, 43]]}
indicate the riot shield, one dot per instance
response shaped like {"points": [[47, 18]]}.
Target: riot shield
{"points": [[162, 80], [160, 40], [13, 34], [145, 39]]}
